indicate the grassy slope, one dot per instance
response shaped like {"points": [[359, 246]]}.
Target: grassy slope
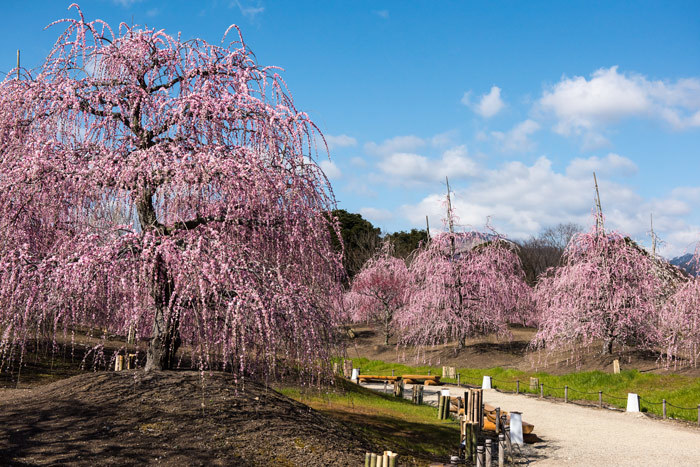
{"points": [[678, 390], [391, 424]]}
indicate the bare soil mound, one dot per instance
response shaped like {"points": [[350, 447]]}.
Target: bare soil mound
{"points": [[168, 418]]}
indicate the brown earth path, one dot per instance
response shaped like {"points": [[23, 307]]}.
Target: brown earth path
{"points": [[574, 435]]}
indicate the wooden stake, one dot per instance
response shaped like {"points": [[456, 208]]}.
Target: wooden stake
{"points": [[480, 456], [663, 403], [566, 394], [501, 450], [368, 457], [600, 399], [517, 386], [489, 450]]}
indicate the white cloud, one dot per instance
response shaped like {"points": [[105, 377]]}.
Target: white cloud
{"points": [[249, 9], [340, 141], [396, 144], [382, 13], [610, 165], [358, 162], [330, 169], [517, 139], [585, 107], [488, 105], [522, 199], [376, 215], [126, 3], [410, 168]]}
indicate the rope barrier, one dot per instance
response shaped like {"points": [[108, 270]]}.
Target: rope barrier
{"points": [[681, 408]]}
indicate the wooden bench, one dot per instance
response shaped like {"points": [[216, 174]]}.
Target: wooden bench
{"points": [[368, 378], [428, 380]]}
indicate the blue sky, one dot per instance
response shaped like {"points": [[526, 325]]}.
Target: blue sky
{"points": [[517, 102]]}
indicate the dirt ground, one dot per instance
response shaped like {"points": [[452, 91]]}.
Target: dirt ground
{"points": [[493, 351], [168, 418]]}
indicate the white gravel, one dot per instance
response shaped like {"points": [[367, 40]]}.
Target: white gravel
{"points": [[573, 435]]}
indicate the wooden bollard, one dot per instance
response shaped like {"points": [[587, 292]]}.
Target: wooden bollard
{"points": [[385, 459], [119, 363], [600, 399], [458, 380], [616, 366], [698, 414], [441, 406], [368, 457], [480, 456], [517, 386], [373, 460], [501, 450], [566, 394], [534, 384], [663, 404], [542, 390], [498, 420], [489, 450], [392, 459]]}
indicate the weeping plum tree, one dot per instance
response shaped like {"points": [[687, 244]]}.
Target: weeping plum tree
{"points": [[226, 247], [455, 294], [379, 290], [608, 289], [679, 324]]}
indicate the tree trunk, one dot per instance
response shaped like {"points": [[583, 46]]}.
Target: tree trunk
{"points": [[165, 336], [387, 319], [608, 346]]}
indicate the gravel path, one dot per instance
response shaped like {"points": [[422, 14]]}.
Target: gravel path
{"points": [[573, 435]]}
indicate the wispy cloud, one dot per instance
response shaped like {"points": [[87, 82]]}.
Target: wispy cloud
{"points": [[249, 9], [382, 13]]}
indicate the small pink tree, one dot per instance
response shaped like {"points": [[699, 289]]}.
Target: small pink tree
{"points": [[679, 324], [166, 187], [379, 290], [608, 290], [459, 293]]}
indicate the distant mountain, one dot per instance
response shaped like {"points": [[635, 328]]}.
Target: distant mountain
{"points": [[686, 263]]}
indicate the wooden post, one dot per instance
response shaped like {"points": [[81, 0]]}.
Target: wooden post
{"points": [[392, 459], [475, 440], [698, 414], [542, 390], [534, 384], [458, 380], [468, 448], [441, 406], [616, 366], [600, 399], [501, 450], [566, 394], [509, 446], [119, 363], [480, 456], [385, 386], [373, 460], [663, 403], [498, 420], [385, 459], [517, 386], [429, 372], [489, 450], [368, 457]]}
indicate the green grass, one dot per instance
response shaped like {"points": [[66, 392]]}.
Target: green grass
{"points": [[678, 390], [389, 423]]}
